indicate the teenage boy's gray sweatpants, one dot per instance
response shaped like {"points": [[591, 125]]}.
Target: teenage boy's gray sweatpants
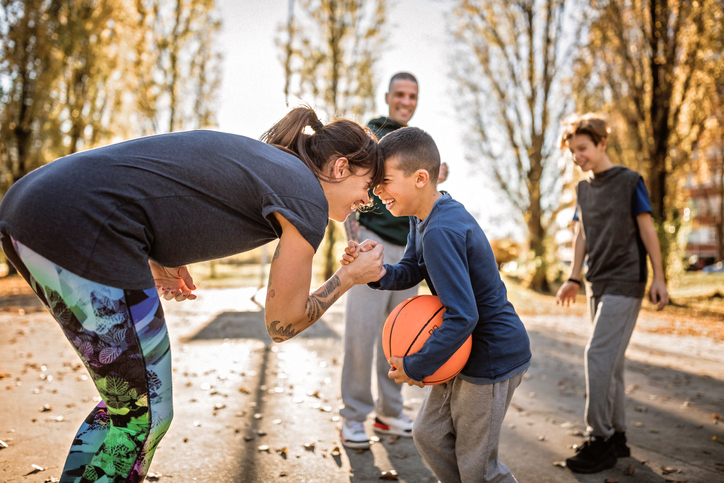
{"points": [[614, 318], [458, 429]]}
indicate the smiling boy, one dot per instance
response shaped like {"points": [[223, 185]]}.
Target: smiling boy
{"points": [[615, 232], [458, 426]]}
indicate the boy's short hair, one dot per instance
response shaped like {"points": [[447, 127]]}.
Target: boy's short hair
{"points": [[590, 124], [402, 76], [413, 149]]}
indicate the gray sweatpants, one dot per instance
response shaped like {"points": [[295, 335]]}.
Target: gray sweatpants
{"points": [[458, 429], [365, 315], [614, 318]]}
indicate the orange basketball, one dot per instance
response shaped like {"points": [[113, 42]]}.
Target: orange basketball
{"points": [[408, 327]]}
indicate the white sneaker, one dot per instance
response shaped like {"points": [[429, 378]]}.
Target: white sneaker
{"points": [[354, 435], [401, 425]]}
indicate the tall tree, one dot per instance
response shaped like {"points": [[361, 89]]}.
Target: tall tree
{"points": [[29, 70], [177, 64], [329, 51], [511, 66], [652, 65], [91, 85]]}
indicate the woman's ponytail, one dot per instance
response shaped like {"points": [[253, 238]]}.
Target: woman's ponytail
{"points": [[340, 138]]}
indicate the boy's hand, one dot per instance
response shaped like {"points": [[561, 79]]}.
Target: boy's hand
{"points": [[567, 294], [659, 294], [353, 249], [397, 372]]}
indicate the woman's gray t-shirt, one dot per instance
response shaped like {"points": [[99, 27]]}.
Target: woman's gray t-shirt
{"points": [[177, 198]]}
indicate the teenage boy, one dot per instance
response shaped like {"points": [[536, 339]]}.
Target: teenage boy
{"points": [[367, 310], [615, 232], [458, 426]]}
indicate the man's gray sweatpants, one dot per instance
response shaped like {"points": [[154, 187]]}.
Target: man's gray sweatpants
{"points": [[365, 315], [458, 429], [614, 318]]}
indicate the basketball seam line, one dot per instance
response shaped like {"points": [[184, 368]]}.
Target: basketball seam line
{"points": [[423, 328], [395, 321]]}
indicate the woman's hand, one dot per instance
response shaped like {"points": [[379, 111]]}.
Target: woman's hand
{"points": [[173, 283], [397, 372]]}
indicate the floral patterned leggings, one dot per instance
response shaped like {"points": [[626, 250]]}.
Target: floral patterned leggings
{"points": [[120, 335]]}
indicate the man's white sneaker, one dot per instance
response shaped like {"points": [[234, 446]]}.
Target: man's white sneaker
{"points": [[401, 425], [354, 435]]}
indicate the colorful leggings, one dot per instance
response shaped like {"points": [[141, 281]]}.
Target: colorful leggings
{"points": [[120, 335]]}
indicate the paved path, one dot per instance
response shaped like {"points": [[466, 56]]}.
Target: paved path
{"points": [[250, 411]]}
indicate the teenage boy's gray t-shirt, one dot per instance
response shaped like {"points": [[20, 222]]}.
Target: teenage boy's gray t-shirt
{"points": [[177, 198]]}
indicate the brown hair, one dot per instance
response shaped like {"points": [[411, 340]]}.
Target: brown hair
{"points": [[592, 125], [412, 149], [339, 138]]}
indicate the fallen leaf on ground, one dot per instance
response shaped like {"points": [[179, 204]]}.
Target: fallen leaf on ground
{"points": [[630, 470], [610, 480], [153, 476], [282, 474], [263, 447], [3, 444], [393, 438], [562, 464], [668, 469], [218, 406], [52, 479], [389, 475], [244, 390], [309, 446], [641, 409], [36, 469], [282, 452], [335, 451], [248, 438], [714, 438], [46, 408]]}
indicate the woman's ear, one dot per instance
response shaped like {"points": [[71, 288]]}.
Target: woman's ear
{"points": [[340, 168], [421, 177]]}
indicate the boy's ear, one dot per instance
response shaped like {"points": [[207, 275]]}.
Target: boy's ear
{"points": [[421, 177], [603, 143]]}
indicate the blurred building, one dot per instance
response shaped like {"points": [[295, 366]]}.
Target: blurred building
{"points": [[705, 191]]}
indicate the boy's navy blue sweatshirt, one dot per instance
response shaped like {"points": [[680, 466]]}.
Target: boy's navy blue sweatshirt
{"points": [[451, 252]]}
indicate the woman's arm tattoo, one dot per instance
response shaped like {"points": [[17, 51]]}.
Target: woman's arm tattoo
{"points": [[322, 299], [280, 334]]}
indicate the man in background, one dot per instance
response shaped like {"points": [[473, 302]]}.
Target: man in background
{"points": [[366, 309]]}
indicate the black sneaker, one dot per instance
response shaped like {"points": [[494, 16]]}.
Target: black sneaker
{"points": [[596, 454], [619, 445]]}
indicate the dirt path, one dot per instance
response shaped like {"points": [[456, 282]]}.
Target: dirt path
{"points": [[248, 410]]}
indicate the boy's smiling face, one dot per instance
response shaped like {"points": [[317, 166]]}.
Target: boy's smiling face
{"points": [[398, 192], [587, 155]]}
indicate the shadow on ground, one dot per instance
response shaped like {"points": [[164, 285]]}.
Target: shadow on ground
{"points": [[250, 325]]}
